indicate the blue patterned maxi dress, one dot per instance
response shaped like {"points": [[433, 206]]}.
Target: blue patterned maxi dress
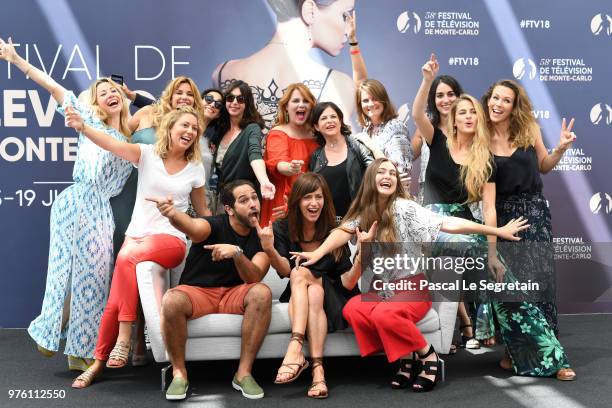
{"points": [[81, 244]]}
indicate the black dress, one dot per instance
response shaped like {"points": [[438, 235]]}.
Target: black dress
{"points": [[327, 268]]}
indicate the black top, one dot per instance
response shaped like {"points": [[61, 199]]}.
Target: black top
{"points": [[327, 268], [200, 270], [518, 173], [338, 182], [443, 183], [239, 155]]}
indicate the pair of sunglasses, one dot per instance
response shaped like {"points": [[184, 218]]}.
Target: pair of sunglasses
{"points": [[239, 98], [209, 99]]}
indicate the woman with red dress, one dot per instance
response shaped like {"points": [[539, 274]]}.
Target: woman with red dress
{"points": [[289, 145]]}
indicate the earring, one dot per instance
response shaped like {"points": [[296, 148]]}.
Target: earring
{"points": [[310, 26], [286, 116]]}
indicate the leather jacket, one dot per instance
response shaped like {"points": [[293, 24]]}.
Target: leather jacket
{"points": [[358, 159]]}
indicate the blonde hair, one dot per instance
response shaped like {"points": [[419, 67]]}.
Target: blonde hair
{"points": [[523, 127], [282, 116], [477, 169], [378, 92], [163, 145], [102, 115], [365, 206], [164, 104]]}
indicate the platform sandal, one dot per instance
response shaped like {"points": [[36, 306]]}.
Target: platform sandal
{"points": [[408, 370], [435, 368]]}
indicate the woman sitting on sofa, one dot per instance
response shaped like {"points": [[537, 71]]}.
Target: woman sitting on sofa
{"points": [[386, 320], [316, 294]]}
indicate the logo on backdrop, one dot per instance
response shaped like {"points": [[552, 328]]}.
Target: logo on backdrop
{"points": [[569, 248], [524, 66], [438, 23], [403, 113], [601, 24], [601, 203], [553, 70], [528, 24], [575, 159], [601, 114], [463, 61], [408, 19]]}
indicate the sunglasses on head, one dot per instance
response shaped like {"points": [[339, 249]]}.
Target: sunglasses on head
{"points": [[239, 98], [209, 99]]}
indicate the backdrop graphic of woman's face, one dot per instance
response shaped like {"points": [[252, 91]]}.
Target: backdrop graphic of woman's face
{"points": [[329, 28]]}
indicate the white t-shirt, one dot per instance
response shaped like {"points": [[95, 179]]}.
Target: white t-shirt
{"points": [[154, 181]]}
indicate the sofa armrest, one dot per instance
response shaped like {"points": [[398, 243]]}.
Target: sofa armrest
{"points": [[153, 281]]}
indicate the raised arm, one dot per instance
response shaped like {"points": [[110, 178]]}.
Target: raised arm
{"points": [[198, 201], [8, 53], [278, 262], [566, 138], [360, 71], [127, 151], [430, 70], [455, 225], [140, 116], [196, 229], [416, 144], [350, 278]]}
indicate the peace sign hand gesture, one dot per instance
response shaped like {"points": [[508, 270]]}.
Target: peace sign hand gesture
{"points": [[567, 137]]}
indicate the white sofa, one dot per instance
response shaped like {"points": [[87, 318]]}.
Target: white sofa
{"points": [[217, 336]]}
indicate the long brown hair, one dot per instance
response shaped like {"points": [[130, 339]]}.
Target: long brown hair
{"points": [[282, 116], [523, 125], [479, 165], [378, 92], [365, 206], [307, 183]]}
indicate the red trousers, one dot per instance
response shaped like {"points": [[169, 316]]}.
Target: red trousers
{"points": [[388, 325], [164, 249]]}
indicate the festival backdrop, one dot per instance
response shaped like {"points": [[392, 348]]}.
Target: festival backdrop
{"points": [[560, 50]]}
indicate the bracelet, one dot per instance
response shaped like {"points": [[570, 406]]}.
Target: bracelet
{"points": [[354, 52], [238, 252], [27, 71], [353, 44]]}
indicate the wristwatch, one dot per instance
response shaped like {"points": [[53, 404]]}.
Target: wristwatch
{"points": [[238, 252]]}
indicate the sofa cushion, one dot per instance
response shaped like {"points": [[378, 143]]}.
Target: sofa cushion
{"points": [[219, 325]]}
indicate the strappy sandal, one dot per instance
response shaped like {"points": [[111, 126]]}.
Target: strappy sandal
{"points": [[317, 362], [469, 342], [86, 379], [295, 369], [422, 384], [408, 370], [120, 354]]}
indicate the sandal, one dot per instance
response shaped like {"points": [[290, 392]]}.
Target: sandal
{"points": [[85, 379], [566, 374], [322, 393], [422, 384], [295, 369], [468, 342], [119, 355], [490, 342], [408, 370]]}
